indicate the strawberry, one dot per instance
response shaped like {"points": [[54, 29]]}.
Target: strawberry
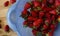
{"points": [[41, 14], [58, 16], [53, 12], [47, 15], [52, 27], [27, 5], [50, 33], [44, 1], [34, 32], [35, 19], [57, 3], [37, 22], [6, 3], [30, 18], [51, 1], [44, 31], [45, 8], [0, 26], [53, 7], [6, 28], [48, 9], [36, 3], [12, 1], [45, 26], [30, 25], [53, 17], [34, 14], [24, 12], [25, 23]]}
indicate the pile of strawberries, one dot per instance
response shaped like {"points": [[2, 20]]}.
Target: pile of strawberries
{"points": [[42, 16]]}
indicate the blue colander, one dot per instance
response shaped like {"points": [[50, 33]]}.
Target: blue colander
{"points": [[16, 23]]}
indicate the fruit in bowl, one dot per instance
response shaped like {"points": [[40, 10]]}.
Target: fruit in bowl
{"points": [[42, 17]]}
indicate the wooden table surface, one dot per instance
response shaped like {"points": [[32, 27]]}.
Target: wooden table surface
{"points": [[3, 12]]}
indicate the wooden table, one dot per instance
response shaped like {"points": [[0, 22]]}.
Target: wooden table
{"points": [[3, 12]]}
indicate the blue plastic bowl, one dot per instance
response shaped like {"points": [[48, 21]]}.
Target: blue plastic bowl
{"points": [[16, 23]]}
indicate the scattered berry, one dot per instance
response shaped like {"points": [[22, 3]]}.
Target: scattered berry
{"points": [[6, 28], [6, 3]]}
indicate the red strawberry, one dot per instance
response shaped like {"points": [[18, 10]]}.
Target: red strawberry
{"points": [[34, 19], [48, 9], [34, 32], [27, 5], [44, 1], [0, 26], [52, 27], [56, 23], [6, 3], [45, 8], [24, 12], [59, 16], [53, 7], [25, 23], [45, 26], [6, 28], [12, 1], [44, 32], [36, 3], [53, 12], [51, 1], [37, 22], [57, 3], [53, 18], [50, 33], [33, 13], [47, 15], [30, 25], [41, 14], [30, 18]]}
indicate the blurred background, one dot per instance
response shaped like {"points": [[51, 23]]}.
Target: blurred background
{"points": [[4, 28]]}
